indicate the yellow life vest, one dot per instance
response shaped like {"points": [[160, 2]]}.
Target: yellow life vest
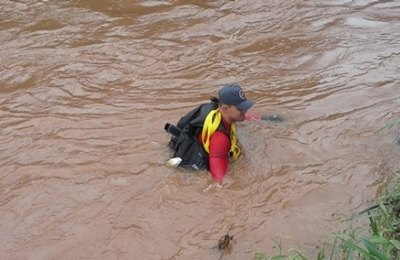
{"points": [[211, 124]]}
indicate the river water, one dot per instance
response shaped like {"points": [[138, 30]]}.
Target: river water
{"points": [[87, 86]]}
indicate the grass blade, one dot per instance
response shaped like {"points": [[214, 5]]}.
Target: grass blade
{"points": [[373, 250]]}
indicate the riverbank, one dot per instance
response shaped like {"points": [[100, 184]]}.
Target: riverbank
{"points": [[380, 239]]}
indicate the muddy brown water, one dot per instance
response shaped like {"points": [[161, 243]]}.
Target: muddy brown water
{"points": [[87, 86]]}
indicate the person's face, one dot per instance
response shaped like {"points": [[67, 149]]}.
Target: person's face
{"points": [[233, 114]]}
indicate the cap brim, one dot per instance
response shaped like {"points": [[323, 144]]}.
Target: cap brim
{"points": [[245, 105]]}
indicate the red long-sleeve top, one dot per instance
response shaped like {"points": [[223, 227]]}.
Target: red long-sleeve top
{"points": [[220, 145]]}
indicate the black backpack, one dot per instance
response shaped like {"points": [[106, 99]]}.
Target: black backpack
{"points": [[185, 137]]}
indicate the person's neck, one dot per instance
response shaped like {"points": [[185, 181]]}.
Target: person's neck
{"points": [[226, 120]]}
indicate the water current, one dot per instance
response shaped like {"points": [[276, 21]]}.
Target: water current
{"points": [[86, 87]]}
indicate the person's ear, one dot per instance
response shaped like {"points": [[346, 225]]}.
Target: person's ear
{"points": [[224, 108]]}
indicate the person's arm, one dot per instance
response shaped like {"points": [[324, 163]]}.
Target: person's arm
{"points": [[218, 155], [252, 117], [272, 118]]}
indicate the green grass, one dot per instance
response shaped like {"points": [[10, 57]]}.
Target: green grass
{"points": [[378, 241]]}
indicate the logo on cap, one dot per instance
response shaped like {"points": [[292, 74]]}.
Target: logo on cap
{"points": [[241, 94]]}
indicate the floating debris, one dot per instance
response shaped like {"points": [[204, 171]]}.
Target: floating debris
{"points": [[224, 243]]}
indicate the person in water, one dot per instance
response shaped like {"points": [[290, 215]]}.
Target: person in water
{"points": [[218, 135]]}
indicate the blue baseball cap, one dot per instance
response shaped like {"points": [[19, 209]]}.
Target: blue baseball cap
{"points": [[233, 94]]}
